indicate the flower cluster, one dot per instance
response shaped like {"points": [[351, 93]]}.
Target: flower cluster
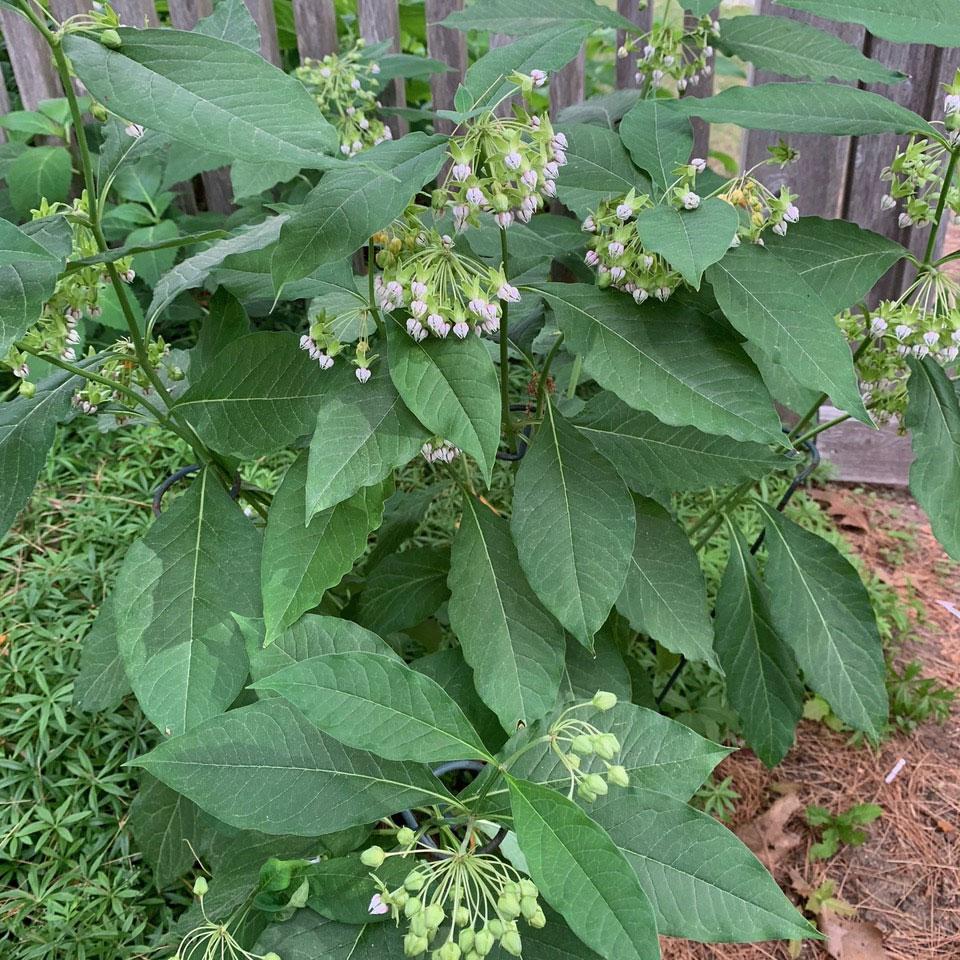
{"points": [[504, 166], [760, 209], [439, 450], [123, 369], [441, 289], [916, 177], [575, 742], [673, 52], [345, 88], [458, 902], [77, 294]]}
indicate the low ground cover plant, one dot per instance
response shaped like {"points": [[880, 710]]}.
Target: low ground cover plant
{"points": [[563, 379]]}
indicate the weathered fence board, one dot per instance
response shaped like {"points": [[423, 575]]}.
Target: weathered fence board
{"points": [[137, 13], [30, 59], [450, 47], [566, 85], [627, 68], [316, 28], [860, 454], [379, 21], [262, 13]]}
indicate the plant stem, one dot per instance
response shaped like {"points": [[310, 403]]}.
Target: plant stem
{"points": [[372, 297], [810, 434], [574, 376], [735, 495], [545, 375], [941, 204], [505, 418]]}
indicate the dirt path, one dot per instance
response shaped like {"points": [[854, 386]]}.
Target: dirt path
{"points": [[904, 882]]}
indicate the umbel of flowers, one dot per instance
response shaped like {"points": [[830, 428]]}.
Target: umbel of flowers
{"points": [[673, 53], [77, 295], [345, 88]]}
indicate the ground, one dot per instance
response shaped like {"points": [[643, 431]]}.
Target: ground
{"points": [[904, 880]]}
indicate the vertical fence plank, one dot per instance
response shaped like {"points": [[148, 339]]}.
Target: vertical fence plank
{"points": [[379, 21], [4, 106], [504, 109], [30, 58], [566, 85], [449, 47], [627, 68], [701, 130], [137, 13], [820, 176], [262, 13], [184, 14], [316, 28]]}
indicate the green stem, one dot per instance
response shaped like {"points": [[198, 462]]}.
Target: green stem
{"points": [[574, 376], [735, 495], [506, 420], [371, 295], [941, 204], [810, 434], [545, 375]]}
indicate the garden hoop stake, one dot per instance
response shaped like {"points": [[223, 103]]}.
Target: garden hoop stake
{"points": [[176, 477]]}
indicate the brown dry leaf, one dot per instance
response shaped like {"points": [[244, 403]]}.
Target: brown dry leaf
{"points": [[846, 514], [851, 939], [767, 835]]}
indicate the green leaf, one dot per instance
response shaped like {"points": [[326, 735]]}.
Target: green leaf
{"points": [[582, 874], [504, 16], [513, 645], [934, 21], [259, 394], [597, 169], [27, 431], [340, 889], [231, 20], [666, 359], [704, 884], [378, 704], [102, 681], [303, 559], [933, 419], [795, 49], [41, 172], [210, 93], [225, 322], [349, 204], [28, 275], [573, 524], [31, 123], [266, 767], [606, 109], [152, 265], [247, 276], [659, 137], [824, 613], [164, 823], [784, 316], [307, 936], [361, 436], [405, 589], [692, 240], [840, 260], [763, 684], [664, 595], [792, 107], [451, 387], [656, 459], [402, 514], [603, 668], [173, 601]]}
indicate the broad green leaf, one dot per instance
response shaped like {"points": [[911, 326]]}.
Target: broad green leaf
{"points": [[247, 276], [30, 123], [933, 419], [361, 436], [405, 589], [207, 92], [27, 431], [606, 109], [164, 824], [348, 205], [582, 874], [378, 704], [784, 316], [231, 20], [193, 271], [659, 137], [150, 266], [341, 888], [259, 394], [598, 168], [402, 514], [309, 936], [815, 107], [763, 685], [603, 668], [666, 359], [173, 601], [225, 322], [451, 387], [704, 884], [515, 647], [840, 260], [823, 612], [28, 275], [266, 767], [690, 240], [934, 21], [53, 233], [311, 636], [301, 559], [795, 49], [102, 681], [548, 49], [664, 595], [658, 753], [41, 172], [656, 459], [534, 16], [573, 524]]}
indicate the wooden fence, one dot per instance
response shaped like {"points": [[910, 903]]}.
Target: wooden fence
{"points": [[836, 176]]}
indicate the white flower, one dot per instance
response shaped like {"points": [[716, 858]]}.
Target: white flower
{"points": [[648, 51], [951, 103], [415, 328], [491, 312], [887, 202], [375, 68], [476, 197], [878, 326], [656, 77], [904, 220], [461, 328], [529, 179], [363, 123], [617, 273], [681, 84], [129, 276], [326, 73], [460, 214], [647, 262], [362, 374], [931, 338], [624, 211], [780, 229], [551, 170], [902, 331], [355, 84], [73, 337], [418, 308], [592, 258], [504, 218], [477, 306], [903, 350], [69, 354], [325, 362], [535, 122], [306, 343], [460, 171], [351, 111], [22, 372], [512, 160], [133, 130], [920, 350], [345, 149], [508, 293], [559, 141], [588, 225], [615, 248], [640, 294], [94, 312], [669, 59], [735, 242], [950, 354], [418, 289], [792, 213], [662, 293], [395, 291], [560, 157], [538, 77], [691, 200], [549, 188], [438, 325]]}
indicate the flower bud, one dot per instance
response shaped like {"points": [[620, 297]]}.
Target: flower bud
{"points": [[690, 200], [604, 700], [412, 907], [373, 857], [528, 888], [111, 39], [529, 907], [461, 916], [200, 887], [698, 164], [483, 941], [405, 836], [887, 202], [496, 927], [434, 915], [539, 920], [596, 784], [510, 943], [509, 906], [466, 939], [538, 77], [415, 880], [27, 389], [413, 945], [582, 743], [449, 951], [618, 776], [270, 956]]}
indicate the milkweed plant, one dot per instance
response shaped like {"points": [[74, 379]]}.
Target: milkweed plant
{"points": [[558, 325]]}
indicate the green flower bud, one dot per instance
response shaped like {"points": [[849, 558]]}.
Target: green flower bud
{"points": [[412, 907], [528, 888], [270, 956], [405, 836], [618, 776], [496, 927], [373, 857], [466, 939], [606, 745], [449, 951], [299, 898], [484, 941], [604, 280], [175, 373], [418, 926], [529, 907], [461, 916], [596, 784], [434, 915], [415, 881], [539, 920], [509, 906], [604, 700], [200, 887], [111, 39], [398, 898], [27, 389], [99, 112], [585, 793], [511, 943], [413, 945], [582, 743]]}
